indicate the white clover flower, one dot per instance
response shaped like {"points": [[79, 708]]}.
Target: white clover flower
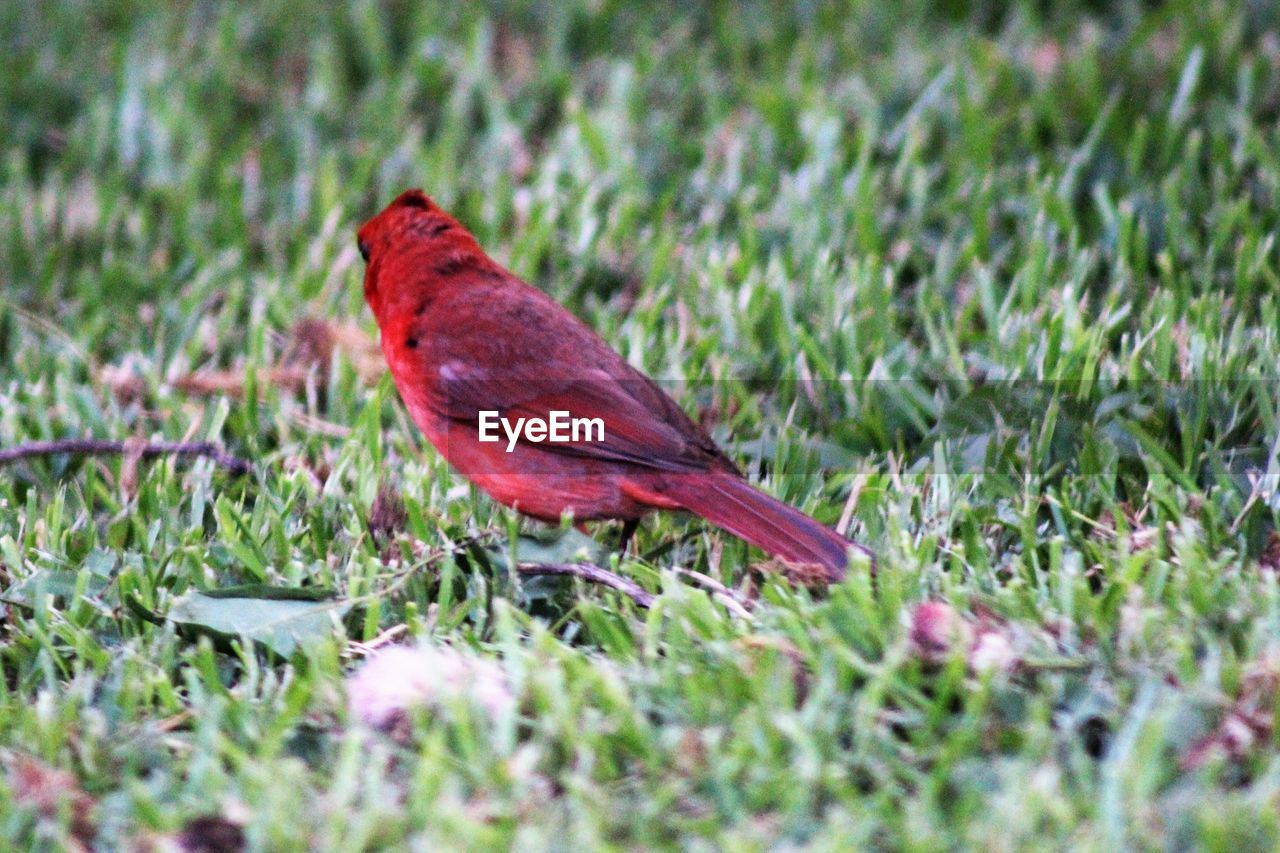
{"points": [[398, 679]]}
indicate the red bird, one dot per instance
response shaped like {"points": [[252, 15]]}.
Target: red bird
{"points": [[468, 343]]}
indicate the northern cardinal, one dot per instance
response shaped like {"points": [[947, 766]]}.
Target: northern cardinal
{"points": [[468, 343]]}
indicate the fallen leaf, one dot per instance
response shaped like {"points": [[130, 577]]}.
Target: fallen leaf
{"points": [[62, 584], [280, 619], [307, 357], [804, 574]]}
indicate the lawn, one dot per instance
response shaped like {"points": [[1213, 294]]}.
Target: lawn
{"points": [[995, 286]]}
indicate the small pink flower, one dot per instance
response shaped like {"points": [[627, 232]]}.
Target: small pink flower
{"points": [[936, 628]]}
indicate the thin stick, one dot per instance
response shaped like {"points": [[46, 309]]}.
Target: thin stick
{"points": [[719, 591], [95, 447], [380, 640], [1255, 492], [589, 572]]}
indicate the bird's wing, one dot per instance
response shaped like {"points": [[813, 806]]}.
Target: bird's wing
{"points": [[640, 424], [512, 366]]}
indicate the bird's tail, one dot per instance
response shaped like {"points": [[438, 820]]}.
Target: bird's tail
{"points": [[780, 530]]}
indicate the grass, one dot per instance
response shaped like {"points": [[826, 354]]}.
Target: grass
{"points": [[1006, 272]]}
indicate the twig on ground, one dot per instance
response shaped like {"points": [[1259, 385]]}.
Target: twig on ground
{"points": [[719, 591], [584, 571], [590, 572], [379, 641], [96, 447], [1255, 492]]}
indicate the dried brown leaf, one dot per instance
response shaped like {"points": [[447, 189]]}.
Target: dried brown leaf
{"points": [[1247, 724], [1270, 559], [307, 356], [129, 460], [387, 516], [804, 574], [52, 792]]}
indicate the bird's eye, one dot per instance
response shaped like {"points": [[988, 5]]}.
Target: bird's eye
{"points": [[364, 250]]}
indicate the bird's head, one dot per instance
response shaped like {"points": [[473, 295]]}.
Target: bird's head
{"points": [[406, 246]]}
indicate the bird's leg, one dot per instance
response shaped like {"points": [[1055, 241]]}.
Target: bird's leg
{"points": [[628, 531]]}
